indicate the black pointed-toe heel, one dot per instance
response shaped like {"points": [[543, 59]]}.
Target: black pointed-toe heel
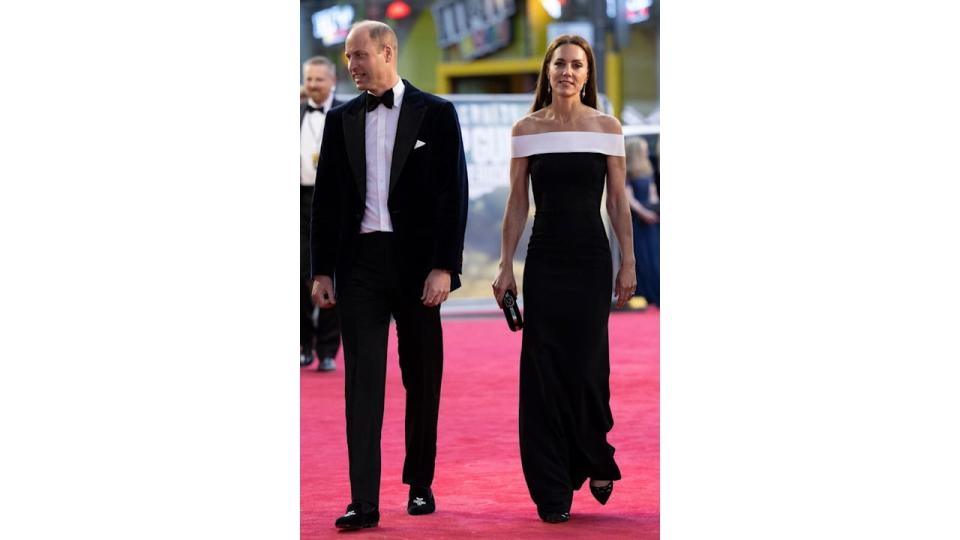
{"points": [[554, 517], [602, 493]]}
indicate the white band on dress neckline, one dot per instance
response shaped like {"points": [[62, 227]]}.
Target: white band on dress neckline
{"points": [[554, 142]]}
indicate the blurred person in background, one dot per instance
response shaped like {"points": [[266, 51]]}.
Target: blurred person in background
{"points": [[319, 340], [568, 150], [655, 160], [389, 217], [645, 206]]}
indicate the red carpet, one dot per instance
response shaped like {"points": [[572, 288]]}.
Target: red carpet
{"points": [[479, 484]]}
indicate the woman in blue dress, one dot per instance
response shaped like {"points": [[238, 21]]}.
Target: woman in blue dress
{"points": [[645, 206]]}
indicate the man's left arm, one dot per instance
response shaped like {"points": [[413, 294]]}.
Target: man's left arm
{"points": [[451, 213], [451, 184]]}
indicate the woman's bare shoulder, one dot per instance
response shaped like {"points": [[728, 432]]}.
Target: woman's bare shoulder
{"points": [[606, 124], [530, 124]]}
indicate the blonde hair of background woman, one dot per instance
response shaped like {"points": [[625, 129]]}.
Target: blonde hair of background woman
{"points": [[638, 158]]}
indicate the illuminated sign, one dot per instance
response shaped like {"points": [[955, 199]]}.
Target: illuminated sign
{"points": [[332, 25], [582, 29], [479, 27], [398, 10], [554, 8], [637, 10]]}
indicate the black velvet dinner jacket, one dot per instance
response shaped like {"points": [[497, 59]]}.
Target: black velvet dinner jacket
{"points": [[427, 192]]}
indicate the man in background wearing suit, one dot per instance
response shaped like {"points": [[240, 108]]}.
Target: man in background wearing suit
{"points": [[320, 340], [388, 222]]}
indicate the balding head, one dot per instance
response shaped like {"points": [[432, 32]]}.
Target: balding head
{"points": [[371, 51], [378, 32]]}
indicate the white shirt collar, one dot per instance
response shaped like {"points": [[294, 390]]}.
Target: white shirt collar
{"points": [[327, 103]]}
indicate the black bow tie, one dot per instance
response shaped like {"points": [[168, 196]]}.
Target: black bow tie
{"points": [[314, 109], [373, 101]]}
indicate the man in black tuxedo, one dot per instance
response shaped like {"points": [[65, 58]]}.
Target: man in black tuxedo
{"points": [[318, 341], [389, 216]]}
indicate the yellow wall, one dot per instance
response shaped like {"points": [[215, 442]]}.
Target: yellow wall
{"points": [[640, 66], [614, 81], [539, 18], [419, 54], [446, 72]]}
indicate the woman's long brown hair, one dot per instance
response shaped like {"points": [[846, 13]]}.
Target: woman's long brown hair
{"points": [[543, 96]]}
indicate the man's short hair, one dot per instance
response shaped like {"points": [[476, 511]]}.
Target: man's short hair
{"points": [[379, 32], [321, 61]]}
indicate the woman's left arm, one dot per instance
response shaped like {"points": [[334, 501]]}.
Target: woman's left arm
{"points": [[618, 208]]}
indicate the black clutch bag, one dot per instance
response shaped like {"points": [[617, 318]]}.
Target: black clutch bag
{"points": [[512, 312]]}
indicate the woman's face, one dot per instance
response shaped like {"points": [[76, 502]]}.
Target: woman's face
{"points": [[568, 70]]}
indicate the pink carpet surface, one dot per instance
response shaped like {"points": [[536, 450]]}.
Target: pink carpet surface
{"points": [[479, 484]]}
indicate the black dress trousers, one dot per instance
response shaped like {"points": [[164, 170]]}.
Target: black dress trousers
{"points": [[373, 293]]}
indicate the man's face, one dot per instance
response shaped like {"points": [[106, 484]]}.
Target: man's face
{"points": [[318, 82], [366, 61]]}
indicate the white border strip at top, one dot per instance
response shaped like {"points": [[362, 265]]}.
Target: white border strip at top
{"points": [[567, 141]]}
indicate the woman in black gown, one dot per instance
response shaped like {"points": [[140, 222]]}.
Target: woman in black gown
{"points": [[568, 150]]}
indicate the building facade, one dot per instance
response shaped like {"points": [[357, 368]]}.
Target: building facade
{"points": [[497, 46]]}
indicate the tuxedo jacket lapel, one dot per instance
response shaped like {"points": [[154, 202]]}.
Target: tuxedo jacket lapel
{"points": [[412, 111], [354, 122]]}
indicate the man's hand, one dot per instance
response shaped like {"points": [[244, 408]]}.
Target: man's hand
{"points": [[436, 288], [323, 296]]}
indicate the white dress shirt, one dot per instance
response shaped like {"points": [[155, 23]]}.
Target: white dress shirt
{"points": [[381, 134], [311, 134]]}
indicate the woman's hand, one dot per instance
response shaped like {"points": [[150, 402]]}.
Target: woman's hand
{"points": [[504, 281], [626, 284], [649, 217]]}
